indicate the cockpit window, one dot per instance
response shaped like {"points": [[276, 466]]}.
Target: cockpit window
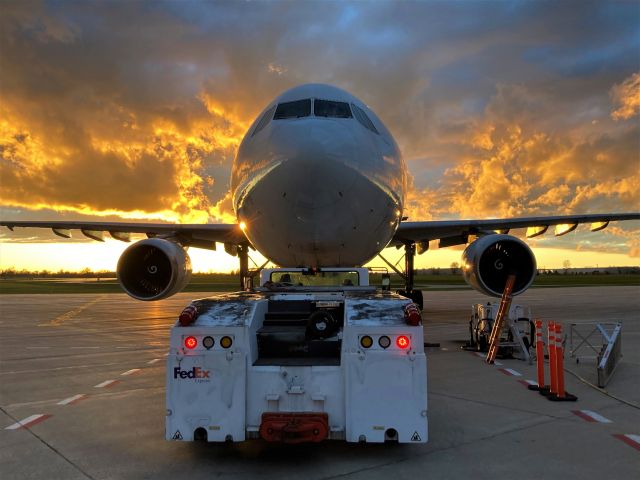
{"points": [[328, 108], [266, 118], [362, 117], [297, 109]]}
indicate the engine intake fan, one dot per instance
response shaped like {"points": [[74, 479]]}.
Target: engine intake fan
{"points": [[488, 261], [153, 269]]}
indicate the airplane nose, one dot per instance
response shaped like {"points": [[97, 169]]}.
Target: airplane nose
{"points": [[314, 168], [310, 141], [317, 201]]}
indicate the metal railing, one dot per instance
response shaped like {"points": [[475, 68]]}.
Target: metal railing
{"points": [[603, 341]]}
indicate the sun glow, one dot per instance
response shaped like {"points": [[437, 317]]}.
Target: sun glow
{"points": [[96, 256], [168, 161]]}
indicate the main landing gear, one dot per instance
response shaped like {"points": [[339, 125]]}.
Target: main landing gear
{"points": [[408, 275], [243, 256], [246, 274]]}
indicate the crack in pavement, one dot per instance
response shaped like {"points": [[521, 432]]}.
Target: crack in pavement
{"points": [[438, 450], [49, 446]]}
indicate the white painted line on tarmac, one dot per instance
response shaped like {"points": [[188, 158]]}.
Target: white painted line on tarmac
{"points": [[155, 360], [630, 439], [130, 372], [40, 370], [497, 363], [166, 354], [71, 400], [86, 347], [28, 422], [444, 349], [509, 371], [591, 416], [106, 383]]}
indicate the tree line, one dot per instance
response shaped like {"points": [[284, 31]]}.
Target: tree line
{"points": [[454, 269]]}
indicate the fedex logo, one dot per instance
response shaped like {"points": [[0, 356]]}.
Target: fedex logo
{"points": [[195, 372]]}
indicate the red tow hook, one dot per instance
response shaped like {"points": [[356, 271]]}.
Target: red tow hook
{"points": [[294, 427]]}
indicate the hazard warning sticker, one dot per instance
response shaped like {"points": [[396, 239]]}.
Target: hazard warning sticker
{"points": [[177, 435], [416, 437]]}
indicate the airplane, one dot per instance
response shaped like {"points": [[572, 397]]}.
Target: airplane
{"points": [[319, 181]]}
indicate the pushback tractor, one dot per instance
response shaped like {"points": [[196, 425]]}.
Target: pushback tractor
{"points": [[307, 356]]}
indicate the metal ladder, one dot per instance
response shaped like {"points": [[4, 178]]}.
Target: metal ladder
{"points": [[518, 342], [503, 312]]}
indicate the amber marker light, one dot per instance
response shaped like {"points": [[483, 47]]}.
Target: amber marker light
{"points": [[226, 342], [366, 341], [243, 226]]}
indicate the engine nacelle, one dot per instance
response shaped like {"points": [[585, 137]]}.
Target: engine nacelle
{"points": [[487, 263], [153, 269]]}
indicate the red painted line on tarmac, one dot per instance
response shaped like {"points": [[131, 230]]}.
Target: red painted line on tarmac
{"points": [[629, 439], [590, 416], [28, 422], [583, 415], [510, 372], [526, 383]]}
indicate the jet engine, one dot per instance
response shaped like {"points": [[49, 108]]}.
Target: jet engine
{"points": [[489, 261], [153, 269]]}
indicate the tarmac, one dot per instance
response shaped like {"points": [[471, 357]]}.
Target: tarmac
{"points": [[86, 374]]}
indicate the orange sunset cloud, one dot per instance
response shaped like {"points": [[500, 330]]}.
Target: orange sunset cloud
{"points": [[507, 111]]}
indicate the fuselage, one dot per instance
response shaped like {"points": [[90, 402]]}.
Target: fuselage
{"points": [[318, 180]]}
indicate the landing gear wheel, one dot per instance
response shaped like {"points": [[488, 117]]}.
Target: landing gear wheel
{"points": [[415, 296], [483, 343]]}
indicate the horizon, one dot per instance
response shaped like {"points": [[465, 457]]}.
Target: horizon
{"points": [[454, 269], [515, 110], [104, 256]]}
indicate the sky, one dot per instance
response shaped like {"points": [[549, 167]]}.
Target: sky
{"points": [[134, 110]]}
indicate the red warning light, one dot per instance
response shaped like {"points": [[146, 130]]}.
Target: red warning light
{"points": [[190, 342], [402, 341]]}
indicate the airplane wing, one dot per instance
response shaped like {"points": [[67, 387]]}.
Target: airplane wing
{"points": [[456, 232], [448, 232], [201, 236]]}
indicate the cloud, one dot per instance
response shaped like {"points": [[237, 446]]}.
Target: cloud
{"points": [[135, 110], [626, 96], [511, 161]]}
